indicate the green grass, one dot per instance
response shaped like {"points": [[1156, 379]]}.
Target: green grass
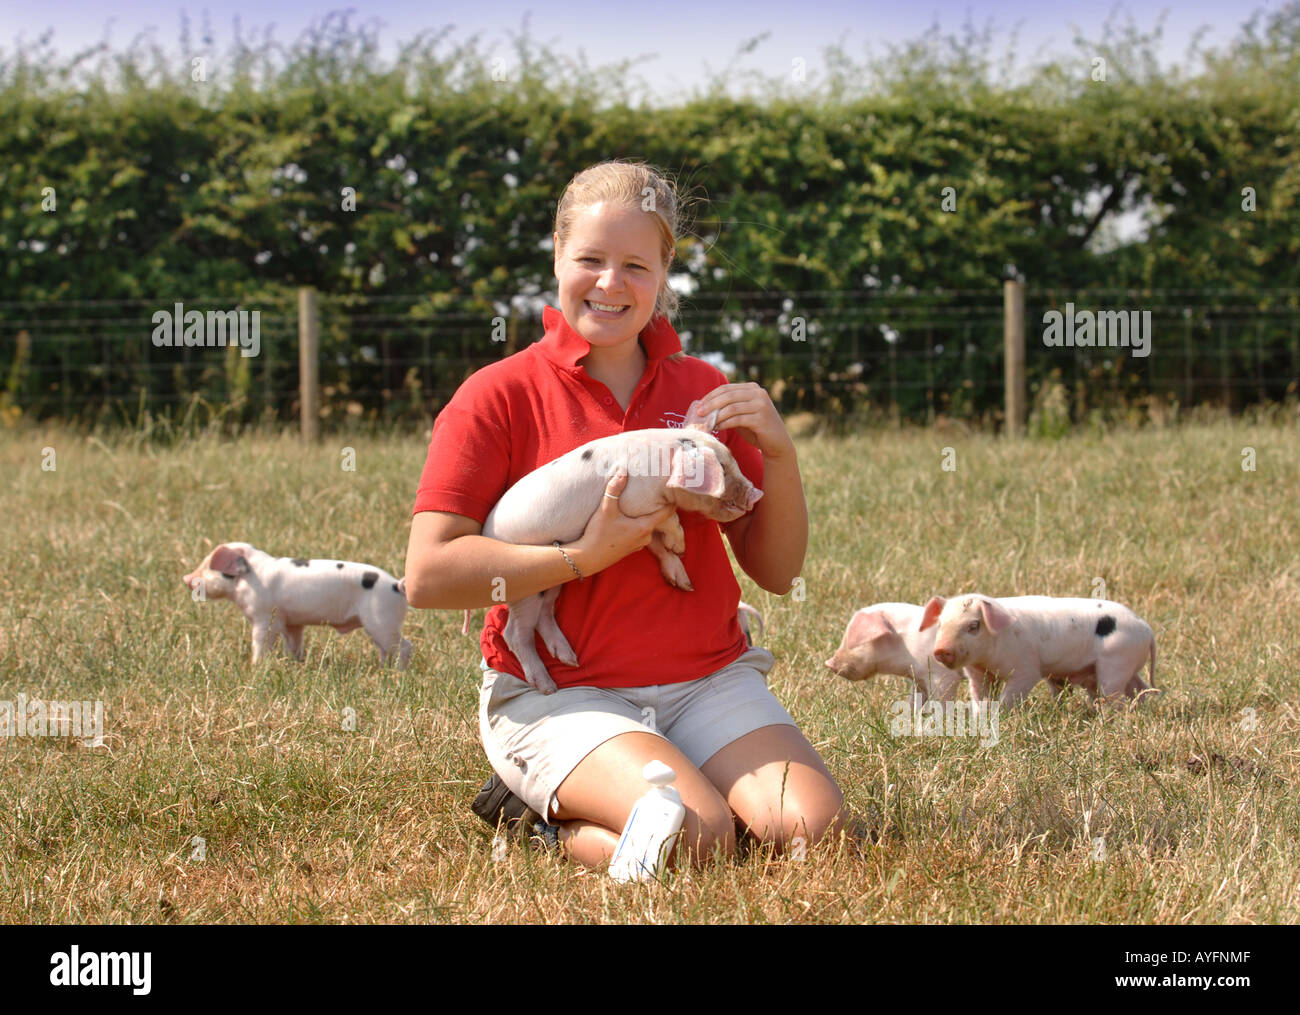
{"points": [[304, 821]]}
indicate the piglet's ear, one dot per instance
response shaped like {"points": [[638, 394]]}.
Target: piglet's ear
{"points": [[866, 626], [229, 562], [932, 610], [995, 617], [696, 420], [697, 470]]}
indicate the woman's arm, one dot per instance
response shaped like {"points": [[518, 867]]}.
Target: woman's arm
{"points": [[451, 566], [771, 541]]}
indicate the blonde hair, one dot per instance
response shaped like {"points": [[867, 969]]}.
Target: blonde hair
{"points": [[621, 182]]}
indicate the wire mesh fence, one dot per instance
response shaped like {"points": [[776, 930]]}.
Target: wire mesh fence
{"points": [[912, 356]]}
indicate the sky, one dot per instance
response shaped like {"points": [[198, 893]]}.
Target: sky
{"points": [[681, 41]]}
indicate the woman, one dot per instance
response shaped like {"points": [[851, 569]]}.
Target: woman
{"points": [[663, 674]]}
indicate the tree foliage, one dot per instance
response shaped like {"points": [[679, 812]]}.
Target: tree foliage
{"points": [[168, 188]]}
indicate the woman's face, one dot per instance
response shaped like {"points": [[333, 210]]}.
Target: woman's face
{"points": [[612, 259]]}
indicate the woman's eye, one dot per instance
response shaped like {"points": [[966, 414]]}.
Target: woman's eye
{"points": [[595, 260]]}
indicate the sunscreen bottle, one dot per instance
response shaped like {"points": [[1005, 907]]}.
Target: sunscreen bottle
{"points": [[652, 827]]}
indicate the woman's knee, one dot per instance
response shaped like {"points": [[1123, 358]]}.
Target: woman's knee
{"points": [[709, 830], [808, 814], [814, 818], [779, 787]]}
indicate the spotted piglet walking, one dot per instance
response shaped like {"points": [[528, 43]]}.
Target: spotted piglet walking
{"points": [[1097, 644], [282, 595]]}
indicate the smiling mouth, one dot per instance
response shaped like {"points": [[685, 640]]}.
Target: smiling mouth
{"points": [[605, 308]]}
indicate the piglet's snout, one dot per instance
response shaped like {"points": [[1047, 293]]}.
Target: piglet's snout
{"points": [[842, 668], [741, 498], [945, 655]]}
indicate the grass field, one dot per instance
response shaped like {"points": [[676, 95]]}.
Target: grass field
{"points": [[1182, 812]]}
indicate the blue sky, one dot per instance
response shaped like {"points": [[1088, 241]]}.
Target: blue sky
{"points": [[683, 40]]}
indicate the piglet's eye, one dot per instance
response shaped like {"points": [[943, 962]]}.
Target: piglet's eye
{"points": [[973, 627]]}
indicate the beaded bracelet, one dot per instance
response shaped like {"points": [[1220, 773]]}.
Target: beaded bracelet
{"points": [[556, 544]]}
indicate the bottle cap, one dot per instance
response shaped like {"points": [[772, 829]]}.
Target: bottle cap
{"points": [[656, 773]]}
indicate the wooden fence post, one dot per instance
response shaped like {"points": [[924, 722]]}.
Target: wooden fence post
{"points": [[1013, 334], [895, 415], [309, 363], [1224, 380]]}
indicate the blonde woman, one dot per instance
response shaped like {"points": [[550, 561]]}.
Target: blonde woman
{"points": [[664, 674]]}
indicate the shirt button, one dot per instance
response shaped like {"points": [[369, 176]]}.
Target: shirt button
{"points": [[608, 400]]}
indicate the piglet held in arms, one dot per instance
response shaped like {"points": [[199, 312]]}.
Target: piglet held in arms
{"points": [[686, 467]]}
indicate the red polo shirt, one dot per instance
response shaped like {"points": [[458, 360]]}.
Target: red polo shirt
{"points": [[628, 627]]}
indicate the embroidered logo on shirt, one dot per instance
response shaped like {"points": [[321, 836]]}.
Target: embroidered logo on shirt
{"points": [[677, 421]]}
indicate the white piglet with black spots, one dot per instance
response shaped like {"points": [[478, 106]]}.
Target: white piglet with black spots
{"points": [[282, 595], [1094, 643]]}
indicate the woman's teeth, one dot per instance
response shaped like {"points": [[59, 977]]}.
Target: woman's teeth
{"points": [[606, 307]]}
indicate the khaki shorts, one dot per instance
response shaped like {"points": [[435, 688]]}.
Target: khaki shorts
{"points": [[535, 740]]}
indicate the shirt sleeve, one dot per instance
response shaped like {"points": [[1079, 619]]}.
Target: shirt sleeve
{"points": [[468, 463]]}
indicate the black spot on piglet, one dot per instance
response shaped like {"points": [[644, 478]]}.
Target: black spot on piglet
{"points": [[369, 578], [1104, 626], [586, 455], [300, 561], [395, 588], [339, 565]]}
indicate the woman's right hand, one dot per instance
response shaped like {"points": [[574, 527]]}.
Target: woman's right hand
{"points": [[611, 535]]}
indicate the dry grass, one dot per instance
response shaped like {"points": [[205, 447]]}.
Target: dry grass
{"points": [[304, 821]]}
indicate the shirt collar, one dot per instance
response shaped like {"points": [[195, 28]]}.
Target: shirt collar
{"points": [[564, 346]]}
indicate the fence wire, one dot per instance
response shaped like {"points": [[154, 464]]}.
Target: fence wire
{"points": [[915, 355]]}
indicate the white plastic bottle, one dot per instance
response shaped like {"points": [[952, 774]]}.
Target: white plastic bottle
{"points": [[647, 839]]}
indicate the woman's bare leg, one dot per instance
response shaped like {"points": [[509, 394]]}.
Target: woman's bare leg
{"points": [[778, 786], [594, 801]]}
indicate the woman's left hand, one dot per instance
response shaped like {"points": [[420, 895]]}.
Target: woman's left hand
{"points": [[747, 408]]}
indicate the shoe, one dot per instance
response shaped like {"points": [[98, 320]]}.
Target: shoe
{"points": [[545, 838], [500, 808], [496, 805]]}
